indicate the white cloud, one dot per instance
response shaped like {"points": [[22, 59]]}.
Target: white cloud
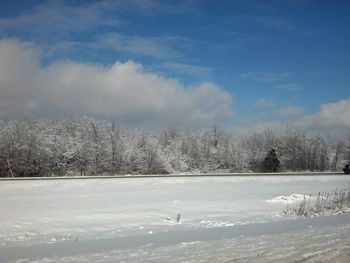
{"points": [[61, 17], [160, 47], [186, 69], [264, 103], [56, 17], [266, 76], [124, 90], [247, 128], [267, 22], [290, 111], [332, 118], [156, 47], [289, 87], [335, 115], [276, 23]]}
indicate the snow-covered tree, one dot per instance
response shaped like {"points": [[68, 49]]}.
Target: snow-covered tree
{"points": [[86, 146]]}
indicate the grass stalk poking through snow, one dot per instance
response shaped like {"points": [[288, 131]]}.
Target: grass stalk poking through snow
{"points": [[324, 203]]}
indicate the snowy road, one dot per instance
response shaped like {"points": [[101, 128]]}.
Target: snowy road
{"points": [[222, 218]]}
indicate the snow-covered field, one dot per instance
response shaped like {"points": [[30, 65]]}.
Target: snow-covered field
{"points": [[223, 219]]}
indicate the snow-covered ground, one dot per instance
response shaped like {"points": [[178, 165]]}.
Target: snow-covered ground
{"points": [[134, 220]]}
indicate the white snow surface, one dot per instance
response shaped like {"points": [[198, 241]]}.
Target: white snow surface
{"points": [[134, 220]]}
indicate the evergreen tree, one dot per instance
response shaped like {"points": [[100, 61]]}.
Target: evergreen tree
{"points": [[272, 161]]}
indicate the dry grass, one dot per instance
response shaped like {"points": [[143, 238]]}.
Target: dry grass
{"points": [[324, 203]]}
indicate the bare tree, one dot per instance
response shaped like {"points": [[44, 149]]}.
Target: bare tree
{"points": [[337, 154], [215, 137], [116, 148]]}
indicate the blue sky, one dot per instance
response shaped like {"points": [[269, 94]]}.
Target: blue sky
{"points": [[278, 62]]}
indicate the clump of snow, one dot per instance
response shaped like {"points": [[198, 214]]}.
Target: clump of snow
{"points": [[286, 199]]}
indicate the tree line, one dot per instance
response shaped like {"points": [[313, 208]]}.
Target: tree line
{"points": [[88, 147]]}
